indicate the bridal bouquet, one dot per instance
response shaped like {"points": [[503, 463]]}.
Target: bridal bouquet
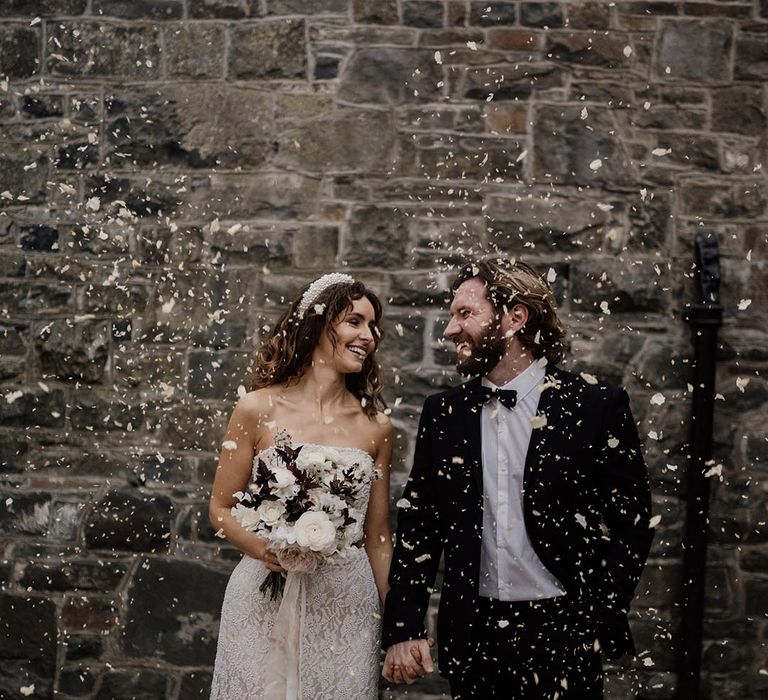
{"points": [[302, 501]]}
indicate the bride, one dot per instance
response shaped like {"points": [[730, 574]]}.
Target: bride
{"points": [[315, 378]]}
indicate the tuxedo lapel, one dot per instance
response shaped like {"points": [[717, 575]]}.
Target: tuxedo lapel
{"points": [[470, 411], [539, 448]]}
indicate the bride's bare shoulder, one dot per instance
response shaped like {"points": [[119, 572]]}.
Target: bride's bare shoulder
{"points": [[256, 406]]}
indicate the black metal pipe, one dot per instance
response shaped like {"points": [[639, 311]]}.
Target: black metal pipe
{"points": [[705, 319]]}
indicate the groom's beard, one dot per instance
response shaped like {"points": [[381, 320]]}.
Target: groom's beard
{"points": [[487, 351]]}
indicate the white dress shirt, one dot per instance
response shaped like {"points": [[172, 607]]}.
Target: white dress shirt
{"points": [[509, 567]]}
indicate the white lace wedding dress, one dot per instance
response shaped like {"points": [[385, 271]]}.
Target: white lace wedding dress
{"points": [[339, 625]]}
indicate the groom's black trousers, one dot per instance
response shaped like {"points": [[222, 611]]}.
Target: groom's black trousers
{"points": [[531, 650]]}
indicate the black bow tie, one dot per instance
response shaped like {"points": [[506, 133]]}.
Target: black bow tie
{"points": [[508, 397]]}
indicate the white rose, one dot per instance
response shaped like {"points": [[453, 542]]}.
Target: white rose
{"points": [[331, 455], [271, 512], [315, 531], [247, 517], [311, 458], [283, 480]]}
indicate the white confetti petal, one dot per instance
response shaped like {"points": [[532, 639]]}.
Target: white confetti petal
{"points": [[741, 383], [403, 503], [744, 304], [605, 308], [551, 275], [613, 443], [11, 396], [654, 521], [438, 57], [657, 399], [661, 151], [503, 623], [596, 164], [627, 51], [588, 378], [538, 421], [581, 520], [229, 445]]}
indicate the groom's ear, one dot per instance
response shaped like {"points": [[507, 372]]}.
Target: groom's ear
{"points": [[513, 319]]}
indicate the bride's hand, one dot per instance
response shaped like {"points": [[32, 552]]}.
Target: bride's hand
{"points": [[263, 553]]}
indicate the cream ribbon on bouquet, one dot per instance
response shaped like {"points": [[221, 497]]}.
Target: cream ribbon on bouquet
{"points": [[283, 680]]}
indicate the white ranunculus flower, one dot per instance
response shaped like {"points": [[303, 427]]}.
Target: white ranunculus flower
{"points": [[271, 512], [247, 517], [315, 531]]}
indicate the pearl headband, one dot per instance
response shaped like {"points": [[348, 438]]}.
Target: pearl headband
{"points": [[319, 286]]}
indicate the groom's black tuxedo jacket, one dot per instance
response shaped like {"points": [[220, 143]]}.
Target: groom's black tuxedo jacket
{"points": [[586, 505]]}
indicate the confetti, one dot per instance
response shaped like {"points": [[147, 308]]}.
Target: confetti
{"points": [[551, 275], [538, 421], [657, 399]]}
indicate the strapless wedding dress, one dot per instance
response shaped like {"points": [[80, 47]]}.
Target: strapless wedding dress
{"points": [[338, 614]]}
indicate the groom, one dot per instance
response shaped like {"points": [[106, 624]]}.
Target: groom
{"points": [[530, 481]]}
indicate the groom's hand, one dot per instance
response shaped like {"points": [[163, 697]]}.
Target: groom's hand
{"points": [[408, 661]]}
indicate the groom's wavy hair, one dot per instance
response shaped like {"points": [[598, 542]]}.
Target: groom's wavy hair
{"points": [[286, 352], [510, 282]]}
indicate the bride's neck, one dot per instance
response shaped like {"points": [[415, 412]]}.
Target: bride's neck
{"points": [[322, 386]]}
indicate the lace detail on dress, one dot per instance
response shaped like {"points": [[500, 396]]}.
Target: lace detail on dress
{"points": [[339, 657]]}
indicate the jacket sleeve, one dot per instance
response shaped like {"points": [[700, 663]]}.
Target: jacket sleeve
{"points": [[625, 496], [418, 547]]}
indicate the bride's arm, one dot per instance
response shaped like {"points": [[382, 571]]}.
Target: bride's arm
{"points": [[378, 539], [233, 474]]}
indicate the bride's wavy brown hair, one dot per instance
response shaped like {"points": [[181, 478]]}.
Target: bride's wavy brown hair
{"points": [[286, 352]]}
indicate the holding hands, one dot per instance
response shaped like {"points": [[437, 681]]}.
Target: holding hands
{"points": [[408, 661]]}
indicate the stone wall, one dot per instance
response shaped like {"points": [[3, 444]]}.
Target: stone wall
{"points": [[172, 170]]}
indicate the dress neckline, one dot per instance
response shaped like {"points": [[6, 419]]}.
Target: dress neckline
{"points": [[359, 450]]}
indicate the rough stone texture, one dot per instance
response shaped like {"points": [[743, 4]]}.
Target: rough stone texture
{"points": [[694, 50], [27, 645], [171, 171], [122, 520], [270, 50], [171, 612]]}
